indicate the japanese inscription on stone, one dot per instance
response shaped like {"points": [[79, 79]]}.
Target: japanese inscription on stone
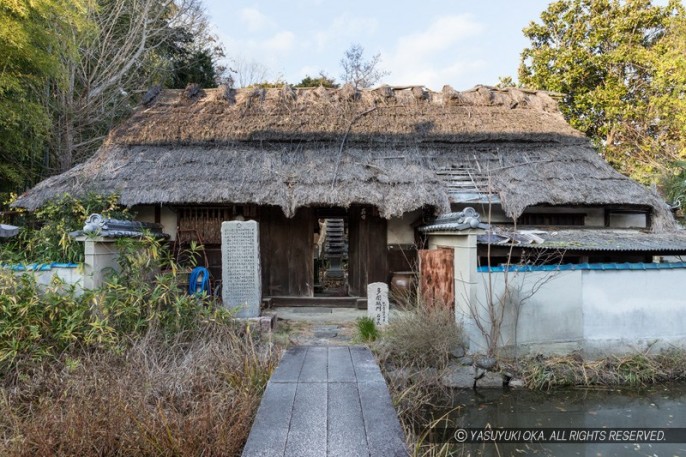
{"points": [[241, 278], [377, 302]]}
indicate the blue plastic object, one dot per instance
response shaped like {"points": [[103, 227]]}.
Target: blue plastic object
{"points": [[39, 266], [199, 281]]}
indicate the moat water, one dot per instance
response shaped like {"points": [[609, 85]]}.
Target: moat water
{"points": [[658, 407]]}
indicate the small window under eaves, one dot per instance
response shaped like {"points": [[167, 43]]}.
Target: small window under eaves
{"points": [[623, 218], [564, 219]]}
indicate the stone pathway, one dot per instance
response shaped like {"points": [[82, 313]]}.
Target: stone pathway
{"points": [[326, 401]]}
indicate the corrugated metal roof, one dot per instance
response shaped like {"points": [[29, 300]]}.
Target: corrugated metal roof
{"points": [[599, 240], [586, 267]]}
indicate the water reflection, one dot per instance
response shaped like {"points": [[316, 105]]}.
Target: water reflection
{"points": [[588, 408]]}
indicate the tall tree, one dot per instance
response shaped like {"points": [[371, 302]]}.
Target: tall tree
{"points": [[130, 45], [622, 77], [358, 71], [30, 32], [247, 72]]}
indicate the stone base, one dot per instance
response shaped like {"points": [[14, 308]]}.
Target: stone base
{"points": [[469, 377], [264, 324]]}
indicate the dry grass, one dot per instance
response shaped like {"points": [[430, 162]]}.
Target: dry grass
{"points": [[194, 395], [634, 370], [413, 350], [423, 337]]}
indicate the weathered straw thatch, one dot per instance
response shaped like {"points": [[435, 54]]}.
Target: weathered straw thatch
{"points": [[394, 148]]}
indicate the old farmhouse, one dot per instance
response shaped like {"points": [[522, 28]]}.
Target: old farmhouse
{"points": [[384, 161]]}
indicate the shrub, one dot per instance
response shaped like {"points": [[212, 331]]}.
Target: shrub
{"points": [[45, 236], [37, 324], [422, 337], [366, 328]]}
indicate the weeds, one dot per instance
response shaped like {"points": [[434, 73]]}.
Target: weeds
{"points": [[194, 394], [38, 324], [422, 337], [635, 370], [137, 367], [366, 329], [415, 346]]}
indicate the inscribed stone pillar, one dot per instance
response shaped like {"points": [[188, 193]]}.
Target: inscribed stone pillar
{"points": [[377, 303], [241, 278]]}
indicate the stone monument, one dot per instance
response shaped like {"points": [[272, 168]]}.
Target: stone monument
{"points": [[241, 276], [377, 303]]}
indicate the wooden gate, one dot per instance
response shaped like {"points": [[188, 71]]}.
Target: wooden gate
{"points": [[437, 277]]}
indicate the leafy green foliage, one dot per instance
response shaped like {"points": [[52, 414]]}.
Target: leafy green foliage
{"points": [[321, 80], [146, 292], [620, 66], [71, 70], [29, 33], [45, 236], [38, 323], [367, 330]]}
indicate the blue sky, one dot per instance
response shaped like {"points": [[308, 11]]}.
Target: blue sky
{"points": [[432, 43]]}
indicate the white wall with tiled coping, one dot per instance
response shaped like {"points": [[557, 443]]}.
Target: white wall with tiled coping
{"points": [[593, 311]]}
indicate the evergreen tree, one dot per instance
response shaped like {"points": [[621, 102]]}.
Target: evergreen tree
{"points": [[621, 68]]}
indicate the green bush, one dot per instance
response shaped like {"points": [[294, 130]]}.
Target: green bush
{"points": [[146, 292], [45, 236], [36, 324], [366, 328]]}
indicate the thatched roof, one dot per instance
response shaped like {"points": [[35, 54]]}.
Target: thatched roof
{"points": [[395, 148]]}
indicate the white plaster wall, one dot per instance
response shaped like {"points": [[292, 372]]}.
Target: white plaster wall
{"points": [[548, 303], [168, 218], [399, 229], [628, 310], [598, 312], [628, 220], [70, 276]]}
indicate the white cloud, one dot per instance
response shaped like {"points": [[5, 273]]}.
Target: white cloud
{"points": [[440, 54], [280, 42], [269, 51], [345, 28], [254, 20]]}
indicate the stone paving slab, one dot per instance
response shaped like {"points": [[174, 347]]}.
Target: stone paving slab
{"points": [[290, 366], [315, 368], [274, 414], [326, 401], [340, 367]]}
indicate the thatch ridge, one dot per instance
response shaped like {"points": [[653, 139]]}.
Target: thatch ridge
{"points": [[385, 147], [286, 114]]}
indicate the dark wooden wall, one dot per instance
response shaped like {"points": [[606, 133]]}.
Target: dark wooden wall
{"points": [[286, 247], [286, 252], [367, 251]]}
